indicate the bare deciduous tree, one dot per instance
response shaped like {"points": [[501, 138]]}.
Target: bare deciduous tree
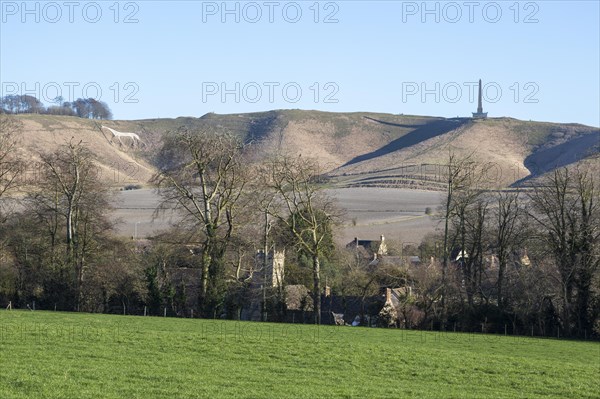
{"points": [[71, 190], [303, 208], [10, 165], [464, 187], [566, 208], [469, 227], [507, 233], [201, 174]]}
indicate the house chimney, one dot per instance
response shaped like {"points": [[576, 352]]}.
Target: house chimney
{"points": [[388, 295], [382, 238], [356, 241]]}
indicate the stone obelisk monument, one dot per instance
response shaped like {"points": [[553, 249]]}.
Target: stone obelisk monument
{"points": [[479, 114]]}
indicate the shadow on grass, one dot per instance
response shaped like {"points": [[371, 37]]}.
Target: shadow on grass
{"points": [[419, 134]]}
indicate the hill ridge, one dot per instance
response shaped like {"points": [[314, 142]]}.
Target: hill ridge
{"points": [[351, 145]]}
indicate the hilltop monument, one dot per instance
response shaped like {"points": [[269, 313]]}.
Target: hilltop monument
{"points": [[479, 114]]}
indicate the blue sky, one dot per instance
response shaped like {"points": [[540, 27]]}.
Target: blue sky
{"points": [[538, 60]]}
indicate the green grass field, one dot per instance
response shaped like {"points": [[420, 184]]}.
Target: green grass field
{"points": [[65, 355]]}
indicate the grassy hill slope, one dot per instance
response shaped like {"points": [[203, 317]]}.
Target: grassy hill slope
{"points": [[515, 150], [357, 149]]}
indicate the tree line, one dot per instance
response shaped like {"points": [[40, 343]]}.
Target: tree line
{"points": [[81, 107], [523, 259], [528, 258]]}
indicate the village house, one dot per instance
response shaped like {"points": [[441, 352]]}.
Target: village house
{"points": [[369, 248]]}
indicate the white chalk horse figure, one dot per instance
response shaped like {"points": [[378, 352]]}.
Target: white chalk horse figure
{"points": [[119, 135]]}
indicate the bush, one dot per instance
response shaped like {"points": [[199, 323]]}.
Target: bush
{"points": [[132, 187]]}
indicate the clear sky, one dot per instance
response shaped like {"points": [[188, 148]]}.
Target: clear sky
{"points": [[538, 60]]}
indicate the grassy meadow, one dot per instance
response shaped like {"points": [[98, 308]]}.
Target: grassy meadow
{"points": [[68, 355]]}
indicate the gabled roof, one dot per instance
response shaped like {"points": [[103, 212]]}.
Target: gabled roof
{"points": [[369, 247]]}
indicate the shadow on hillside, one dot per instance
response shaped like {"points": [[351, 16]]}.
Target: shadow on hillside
{"points": [[561, 155], [420, 134], [259, 128]]}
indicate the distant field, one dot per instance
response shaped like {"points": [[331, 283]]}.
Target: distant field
{"points": [[136, 207], [398, 214], [62, 355]]}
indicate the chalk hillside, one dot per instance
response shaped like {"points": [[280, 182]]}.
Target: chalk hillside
{"points": [[356, 149]]}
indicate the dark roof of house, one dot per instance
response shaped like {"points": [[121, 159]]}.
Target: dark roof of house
{"points": [[369, 244]]}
